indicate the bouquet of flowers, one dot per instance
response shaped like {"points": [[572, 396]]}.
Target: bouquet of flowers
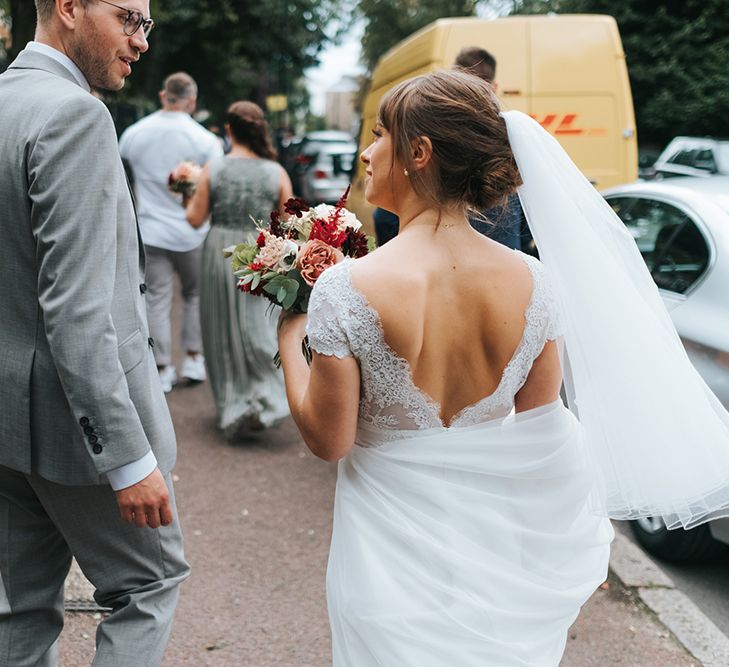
{"points": [[293, 250], [183, 179]]}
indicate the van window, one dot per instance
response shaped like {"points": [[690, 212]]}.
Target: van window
{"points": [[672, 246]]}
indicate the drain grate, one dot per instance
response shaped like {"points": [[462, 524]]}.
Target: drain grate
{"points": [[84, 606], [80, 593]]}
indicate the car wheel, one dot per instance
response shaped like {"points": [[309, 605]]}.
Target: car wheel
{"points": [[696, 544]]}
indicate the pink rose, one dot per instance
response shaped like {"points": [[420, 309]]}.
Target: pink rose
{"points": [[314, 257]]}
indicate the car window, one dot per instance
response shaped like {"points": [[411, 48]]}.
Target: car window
{"points": [[704, 159], [672, 246], [698, 158]]}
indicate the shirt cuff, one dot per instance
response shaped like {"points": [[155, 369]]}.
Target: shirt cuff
{"points": [[131, 473]]}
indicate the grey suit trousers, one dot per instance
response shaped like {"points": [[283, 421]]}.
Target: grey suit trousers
{"points": [[135, 571]]}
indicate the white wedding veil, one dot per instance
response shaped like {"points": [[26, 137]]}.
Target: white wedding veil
{"points": [[656, 435]]}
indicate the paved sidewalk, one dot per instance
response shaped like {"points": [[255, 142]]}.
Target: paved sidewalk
{"points": [[256, 519]]}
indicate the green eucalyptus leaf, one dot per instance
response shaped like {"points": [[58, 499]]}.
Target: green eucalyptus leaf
{"points": [[289, 300]]}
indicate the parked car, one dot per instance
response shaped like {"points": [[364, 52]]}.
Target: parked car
{"points": [[302, 152], [330, 173], [692, 156], [681, 227]]}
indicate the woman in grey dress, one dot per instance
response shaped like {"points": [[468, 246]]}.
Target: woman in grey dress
{"points": [[239, 337]]}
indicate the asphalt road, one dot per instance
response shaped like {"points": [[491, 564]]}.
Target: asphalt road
{"points": [[707, 584]]}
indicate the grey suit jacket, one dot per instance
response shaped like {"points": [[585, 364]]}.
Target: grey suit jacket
{"points": [[79, 389]]}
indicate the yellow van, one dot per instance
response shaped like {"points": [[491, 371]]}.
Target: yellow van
{"points": [[567, 71]]}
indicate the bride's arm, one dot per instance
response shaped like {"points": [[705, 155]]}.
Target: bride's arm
{"points": [[544, 381], [323, 398]]}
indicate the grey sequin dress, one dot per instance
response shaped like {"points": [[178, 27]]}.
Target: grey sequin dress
{"points": [[239, 330]]}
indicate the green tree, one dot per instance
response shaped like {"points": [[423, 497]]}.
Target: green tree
{"points": [[21, 16], [233, 49], [677, 52], [389, 21]]}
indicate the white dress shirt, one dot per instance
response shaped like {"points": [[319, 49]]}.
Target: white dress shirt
{"points": [[131, 473]]}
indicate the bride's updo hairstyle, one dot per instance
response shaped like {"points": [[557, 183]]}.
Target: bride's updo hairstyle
{"points": [[249, 127], [472, 160]]}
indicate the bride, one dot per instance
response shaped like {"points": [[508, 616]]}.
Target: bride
{"points": [[470, 520]]}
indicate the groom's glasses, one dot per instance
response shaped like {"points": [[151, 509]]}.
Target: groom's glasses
{"points": [[134, 20]]}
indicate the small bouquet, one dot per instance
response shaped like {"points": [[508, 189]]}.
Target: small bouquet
{"points": [[183, 179], [293, 250]]}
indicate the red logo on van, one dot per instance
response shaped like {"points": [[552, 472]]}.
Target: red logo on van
{"points": [[563, 125]]}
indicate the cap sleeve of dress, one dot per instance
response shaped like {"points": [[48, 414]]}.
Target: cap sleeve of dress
{"points": [[329, 307], [545, 308]]}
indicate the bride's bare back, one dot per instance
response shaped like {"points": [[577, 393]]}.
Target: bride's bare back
{"points": [[452, 303]]}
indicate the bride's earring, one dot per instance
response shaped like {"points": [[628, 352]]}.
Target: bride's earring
{"points": [[406, 172]]}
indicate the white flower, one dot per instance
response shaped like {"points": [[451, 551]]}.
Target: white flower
{"points": [[348, 219], [323, 211], [288, 256]]}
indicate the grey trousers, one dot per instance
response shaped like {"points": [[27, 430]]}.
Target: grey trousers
{"points": [[135, 571], [160, 279]]}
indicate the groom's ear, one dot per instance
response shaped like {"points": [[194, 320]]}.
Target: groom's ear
{"points": [[68, 13], [421, 152]]}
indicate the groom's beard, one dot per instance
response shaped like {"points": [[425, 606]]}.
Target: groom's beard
{"points": [[98, 69]]}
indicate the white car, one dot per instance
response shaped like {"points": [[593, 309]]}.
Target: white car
{"points": [[681, 227], [692, 156], [329, 172]]}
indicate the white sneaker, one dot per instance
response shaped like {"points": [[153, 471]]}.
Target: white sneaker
{"points": [[193, 368], [167, 378]]}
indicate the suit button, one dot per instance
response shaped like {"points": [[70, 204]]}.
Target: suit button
{"points": [[93, 439], [88, 430], [97, 449], [150, 340], [143, 288], [84, 421]]}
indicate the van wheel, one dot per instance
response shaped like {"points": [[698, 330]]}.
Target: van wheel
{"points": [[695, 544]]}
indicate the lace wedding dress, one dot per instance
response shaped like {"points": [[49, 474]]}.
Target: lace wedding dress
{"points": [[467, 545]]}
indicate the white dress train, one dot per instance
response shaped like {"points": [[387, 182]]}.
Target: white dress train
{"points": [[469, 545]]}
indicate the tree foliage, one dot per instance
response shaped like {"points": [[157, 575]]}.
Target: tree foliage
{"points": [[389, 21], [22, 15], [233, 49], [677, 53]]}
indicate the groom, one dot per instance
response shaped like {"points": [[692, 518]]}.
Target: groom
{"points": [[86, 440]]}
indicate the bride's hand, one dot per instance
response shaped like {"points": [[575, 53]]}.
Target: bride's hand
{"points": [[291, 325]]}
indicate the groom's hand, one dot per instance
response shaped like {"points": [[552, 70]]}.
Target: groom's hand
{"points": [[146, 503]]}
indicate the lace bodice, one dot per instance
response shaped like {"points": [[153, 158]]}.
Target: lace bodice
{"points": [[342, 323]]}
